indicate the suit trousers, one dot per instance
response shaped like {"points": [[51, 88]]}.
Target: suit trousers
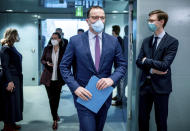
{"points": [[90, 121], [146, 100], [53, 92]]}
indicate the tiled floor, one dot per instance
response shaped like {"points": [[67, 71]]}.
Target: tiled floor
{"points": [[37, 112]]}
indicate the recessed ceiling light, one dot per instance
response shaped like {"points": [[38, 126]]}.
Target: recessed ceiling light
{"points": [[125, 11], [9, 10], [35, 16], [115, 11]]}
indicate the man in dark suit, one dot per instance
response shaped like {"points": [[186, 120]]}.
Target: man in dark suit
{"points": [[120, 86], [155, 58], [92, 53]]}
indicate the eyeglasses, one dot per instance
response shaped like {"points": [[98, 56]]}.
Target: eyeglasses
{"points": [[98, 17], [151, 20]]}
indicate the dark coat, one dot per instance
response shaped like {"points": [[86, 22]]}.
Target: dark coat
{"points": [[11, 61], [121, 43], [161, 60], [47, 72]]}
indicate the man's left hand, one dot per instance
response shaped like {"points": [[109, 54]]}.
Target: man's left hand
{"points": [[104, 83], [154, 71]]}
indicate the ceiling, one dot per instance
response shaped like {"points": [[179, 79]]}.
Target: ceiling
{"points": [[38, 6]]}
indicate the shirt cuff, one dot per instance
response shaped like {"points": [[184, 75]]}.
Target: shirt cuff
{"points": [[151, 71]]}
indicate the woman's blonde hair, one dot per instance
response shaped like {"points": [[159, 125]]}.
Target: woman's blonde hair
{"points": [[10, 37]]}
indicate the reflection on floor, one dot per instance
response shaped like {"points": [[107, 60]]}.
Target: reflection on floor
{"points": [[37, 112]]}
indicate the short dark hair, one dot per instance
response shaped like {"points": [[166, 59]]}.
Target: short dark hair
{"points": [[81, 30], [93, 7], [116, 29], [58, 29], [161, 15]]}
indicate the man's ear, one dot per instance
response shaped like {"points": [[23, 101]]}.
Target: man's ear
{"points": [[87, 21], [162, 21]]}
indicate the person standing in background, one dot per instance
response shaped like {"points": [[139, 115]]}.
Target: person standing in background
{"points": [[120, 96], [155, 58], [51, 76], [12, 81]]}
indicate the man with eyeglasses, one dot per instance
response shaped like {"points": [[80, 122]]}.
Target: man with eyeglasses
{"points": [[92, 53], [155, 58]]}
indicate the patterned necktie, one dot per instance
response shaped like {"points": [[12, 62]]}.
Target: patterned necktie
{"points": [[154, 45], [97, 53]]}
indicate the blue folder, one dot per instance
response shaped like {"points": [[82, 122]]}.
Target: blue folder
{"points": [[98, 96]]}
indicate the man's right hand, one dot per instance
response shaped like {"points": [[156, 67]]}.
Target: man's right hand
{"points": [[83, 93], [10, 86]]}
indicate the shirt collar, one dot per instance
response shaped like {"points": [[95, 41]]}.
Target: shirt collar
{"points": [[161, 35], [92, 35]]}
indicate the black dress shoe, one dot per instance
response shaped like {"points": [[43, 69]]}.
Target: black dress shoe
{"points": [[117, 103], [114, 98]]}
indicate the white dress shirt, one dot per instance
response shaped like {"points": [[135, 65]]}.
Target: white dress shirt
{"points": [[55, 56], [92, 41]]}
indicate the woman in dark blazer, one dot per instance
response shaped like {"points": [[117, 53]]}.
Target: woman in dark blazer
{"points": [[12, 81], [51, 76]]}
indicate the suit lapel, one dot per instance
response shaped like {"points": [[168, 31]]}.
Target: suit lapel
{"points": [[160, 45], [87, 48]]}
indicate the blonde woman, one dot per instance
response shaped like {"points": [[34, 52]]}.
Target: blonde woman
{"points": [[12, 81]]}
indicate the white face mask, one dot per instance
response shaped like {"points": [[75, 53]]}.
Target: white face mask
{"points": [[152, 27], [98, 26], [54, 42]]}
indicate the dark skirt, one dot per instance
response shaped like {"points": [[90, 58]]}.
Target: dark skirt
{"points": [[12, 108]]}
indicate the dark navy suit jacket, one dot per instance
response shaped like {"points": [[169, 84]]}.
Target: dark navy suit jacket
{"points": [[160, 60], [79, 56]]}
